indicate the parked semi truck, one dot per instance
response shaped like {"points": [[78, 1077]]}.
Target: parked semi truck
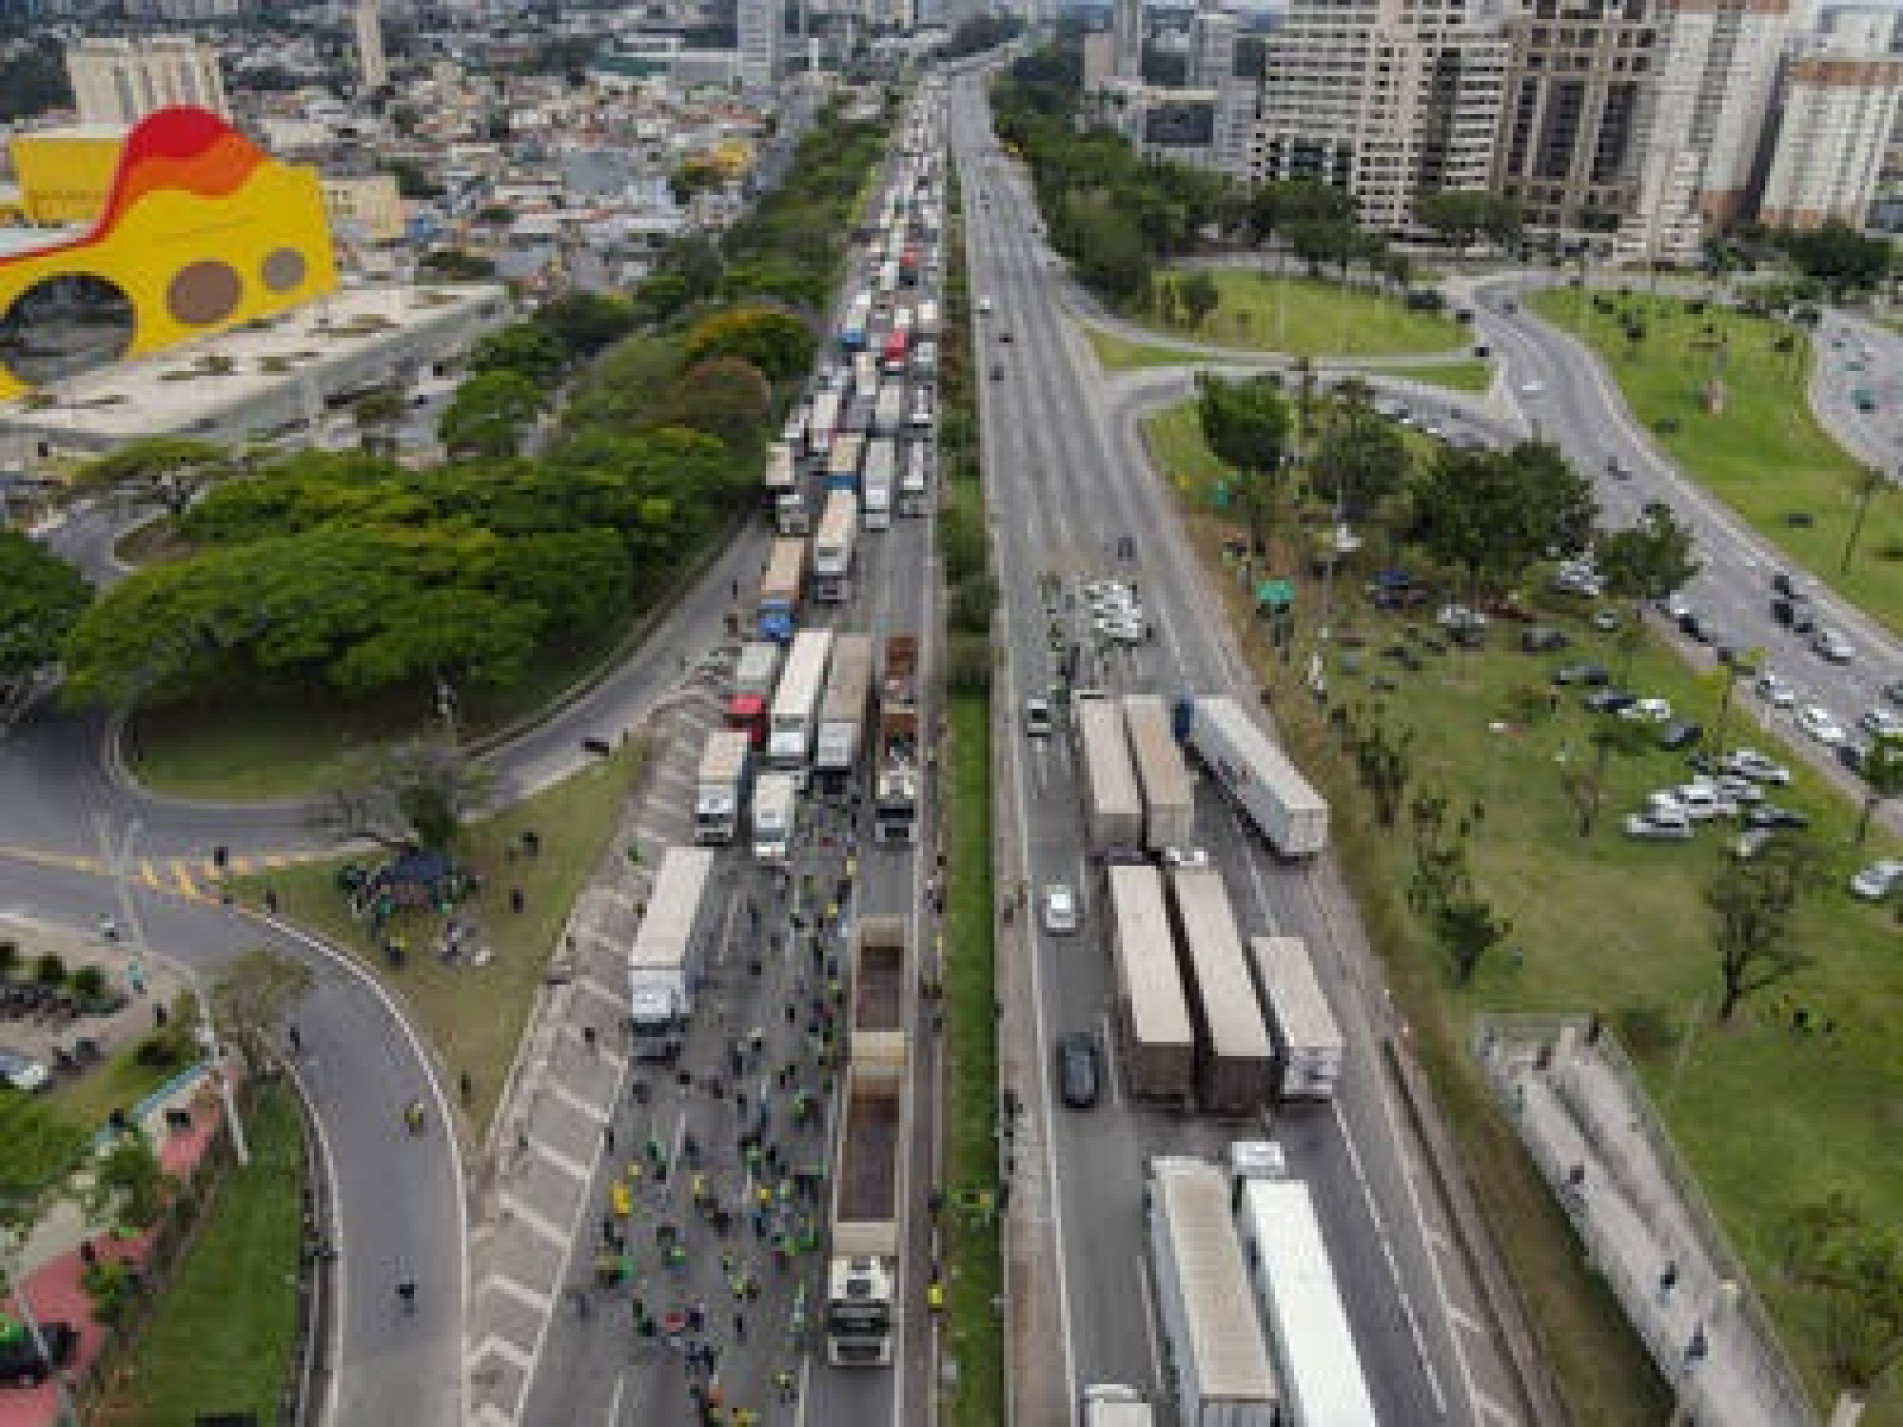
{"points": [[1258, 775], [1113, 807], [834, 547], [868, 1220], [843, 709], [876, 481], [721, 787], [895, 791], [1233, 1057], [1155, 1037], [775, 816], [1215, 1357], [915, 486], [1309, 1048], [780, 590], [795, 714], [1112, 1404], [661, 963], [881, 986], [1169, 799], [755, 673]]}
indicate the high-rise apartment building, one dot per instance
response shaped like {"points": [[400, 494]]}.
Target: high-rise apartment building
{"points": [[371, 64], [120, 82], [759, 31], [1212, 47], [1569, 121], [1126, 38], [1840, 104], [1390, 99]]}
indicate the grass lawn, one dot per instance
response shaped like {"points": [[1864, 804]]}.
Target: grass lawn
{"points": [[1764, 454], [118, 1083], [1769, 1119], [1475, 376], [975, 1277], [1119, 354], [222, 1339], [1312, 317], [474, 1015]]}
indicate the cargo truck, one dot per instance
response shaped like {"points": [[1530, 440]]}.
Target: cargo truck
{"points": [[775, 816], [842, 461], [721, 787], [895, 789], [1300, 1304], [1111, 1404], [834, 548], [843, 709], [823, 425], [865, 376], [782, 486], [662, 961], [754, 674], [1269, 788], [794, 720], [1234, 1062], [1156, 1039], [780, 589], [881, 986], [1215, 1356], [928, 323], [1309, 1048], [889, 414], [915, 486], [876, 481], [1113, 808], [868, 1221], [1169, 799]]}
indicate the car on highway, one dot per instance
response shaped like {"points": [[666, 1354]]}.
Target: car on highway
{"points": [[23, 1072], [1037, 718], [21, 1362], [1059, 909], [1893, 691], [984, 307], [1880, 722], [1831, 645], [1079, 1069], [997, 371], [1878, 880], [1776, 690], [1532, 388], [1819, 723], [1749, 763], [1618, 469]]}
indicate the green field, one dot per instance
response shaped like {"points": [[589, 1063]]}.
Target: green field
{"points": [[1474, 376], [223, 1335], [1769, 1118], [474, 1016], [1116, 353], [1311, 317], [1764, 454]]}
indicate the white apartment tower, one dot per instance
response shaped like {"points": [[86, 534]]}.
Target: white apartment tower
{"points": [[759, 31], [1389, 99], [375, 69], [119, 82], [1840, 108], [1212, 47], [1126, 37]]}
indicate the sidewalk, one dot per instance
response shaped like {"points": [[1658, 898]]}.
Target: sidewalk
{"points": [[1602, 1150]]}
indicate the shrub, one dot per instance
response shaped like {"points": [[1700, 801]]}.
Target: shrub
{"points": [[89, 983], [49, 970], [968, 663], [9, 959], [972, 602], [1649, 1032], [165, 1050]]}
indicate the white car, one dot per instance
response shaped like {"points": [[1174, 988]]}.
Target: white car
{"points": [[1186, 857], [1659, 825], [1880, 722], [1749, 763], [1698, 800], [1776, 690], [1832, 646], [23, 1073], [984, 307], [1532, 388], [1818, 722], [1650, 710], [1037, 718], [1877, 881], [1060, 909]]}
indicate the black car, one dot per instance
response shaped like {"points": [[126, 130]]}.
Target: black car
{"points": [[1851, 756], [1587, 676], [1543, 639], [1691, 624], [1794, 615], [1680, 734], [1785, 586], [1078, 1076], [1770, 815], [997, 371], [21, 1364], [1609, 700]]}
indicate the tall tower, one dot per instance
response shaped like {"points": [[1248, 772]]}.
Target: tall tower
{"points": [[759, 24], [116, 82], [369, 22], [1126, 28]]}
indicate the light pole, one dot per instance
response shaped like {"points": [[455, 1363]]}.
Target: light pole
{"points": [[1866, 492], [118, 856]]}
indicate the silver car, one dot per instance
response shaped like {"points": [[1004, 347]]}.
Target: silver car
{"points": [[1060, 909]]}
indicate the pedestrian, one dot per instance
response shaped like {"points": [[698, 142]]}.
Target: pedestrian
{"points": [[935, 1297], [608, 1138], [296, 1040], [588, 1037], [740, 1327], [697, 1317], [270, 902]]}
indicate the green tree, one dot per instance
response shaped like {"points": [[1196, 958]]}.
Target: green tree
{"points": [[417, 794], [778, 345], [377, 414], [1882, 774], [254, 993], [490, 413], [1459, 216], [725, 397], [526, 348], [128, 1185], [1609, 737], [1649, 559], [1246, 426], [41, 599], [1493, 514], [660, 297], [1199, 296], [1752, 904], [1852, 1271], [587, 323], [1360, 456], [168, 470]]}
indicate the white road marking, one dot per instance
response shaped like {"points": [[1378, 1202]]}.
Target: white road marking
{"points": [[533, 1299], [614, 1400], [514, 1354], [1110, 1059], [568, 1164], [514, 1206]]}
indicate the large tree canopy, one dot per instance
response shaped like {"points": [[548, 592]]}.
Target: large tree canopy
{"points": [[1493, 514], [41, 599]]}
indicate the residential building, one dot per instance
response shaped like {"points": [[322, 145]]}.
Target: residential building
{"points": [[1126, 38], [364, 208], [371, 65], [1212, 47], [120, 82], [1839, 111], [1568, 145], [760, 32], [1389, 99]]}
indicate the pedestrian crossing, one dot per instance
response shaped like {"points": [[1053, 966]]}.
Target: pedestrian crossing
{"points": [[197, 878]]}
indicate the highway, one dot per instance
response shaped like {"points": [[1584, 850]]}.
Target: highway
{"points": [[1066, 482]]}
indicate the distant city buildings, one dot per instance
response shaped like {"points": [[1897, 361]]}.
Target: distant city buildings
{"points": [[367, 20], [760, 25], [1834, 126], [119, 81]]}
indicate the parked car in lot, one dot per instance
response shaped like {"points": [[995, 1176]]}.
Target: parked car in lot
{"points": [[1543, 639], [1773, 815], [1880, 722], [1060, 909], [1819, 723], [23, 1072], [1749, 763], [1609, 700], [1738, 788], [21, 1362], [1680, 734], [1587, 676], [1878, 880], [1659, 825], [1700, 800], [1831, 645], [1079, 1075], [1650, 710]]}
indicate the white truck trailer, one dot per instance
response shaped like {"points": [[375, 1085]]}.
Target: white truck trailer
{"points": [[1259, 776], [915, 486], [1309, 1048], [1112, 1404], [1113, 808], [794, 721], [661, 963], [877, 480], [834, 548], [1214, 1355], [824, 422], [1323, 1384], [721, 787], [888, 413], [1169, 798], [775, 817], [1156, 1040], [844, 708], [1234, 1060]]}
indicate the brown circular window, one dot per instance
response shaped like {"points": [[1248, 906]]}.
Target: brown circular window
{"points": [[284, 269], [204, 292]]}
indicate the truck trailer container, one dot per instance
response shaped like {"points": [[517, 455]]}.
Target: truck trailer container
{"points": [[662, 961], [720, 790], [835, 548], [1215, 1356], [1112, 1404], [889, 413], [881, 988], [1258, 775], [775, 817], [1113, 807], [843, 709], [868, 1219], [780, 590], [915, 486], [1169, 799], [1234, 1060], [842, 461], [1156, 1038], [1309, 1048], [795, 716], [895, 788], [1306, 1323], [876, 479], [823, 424], [755, 673]]}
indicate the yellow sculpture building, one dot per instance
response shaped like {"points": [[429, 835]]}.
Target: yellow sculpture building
{"points": [[199, 229]]}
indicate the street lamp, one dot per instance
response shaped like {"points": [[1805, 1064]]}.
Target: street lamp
{"points": [[1866, 492]]}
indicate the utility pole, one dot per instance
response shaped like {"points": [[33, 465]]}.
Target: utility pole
{"points": [[1866, 492]]}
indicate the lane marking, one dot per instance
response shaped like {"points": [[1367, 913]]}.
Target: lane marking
{"points": [[576, 1102], [531, 1298], [512, 1353], [514, 1206]]}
